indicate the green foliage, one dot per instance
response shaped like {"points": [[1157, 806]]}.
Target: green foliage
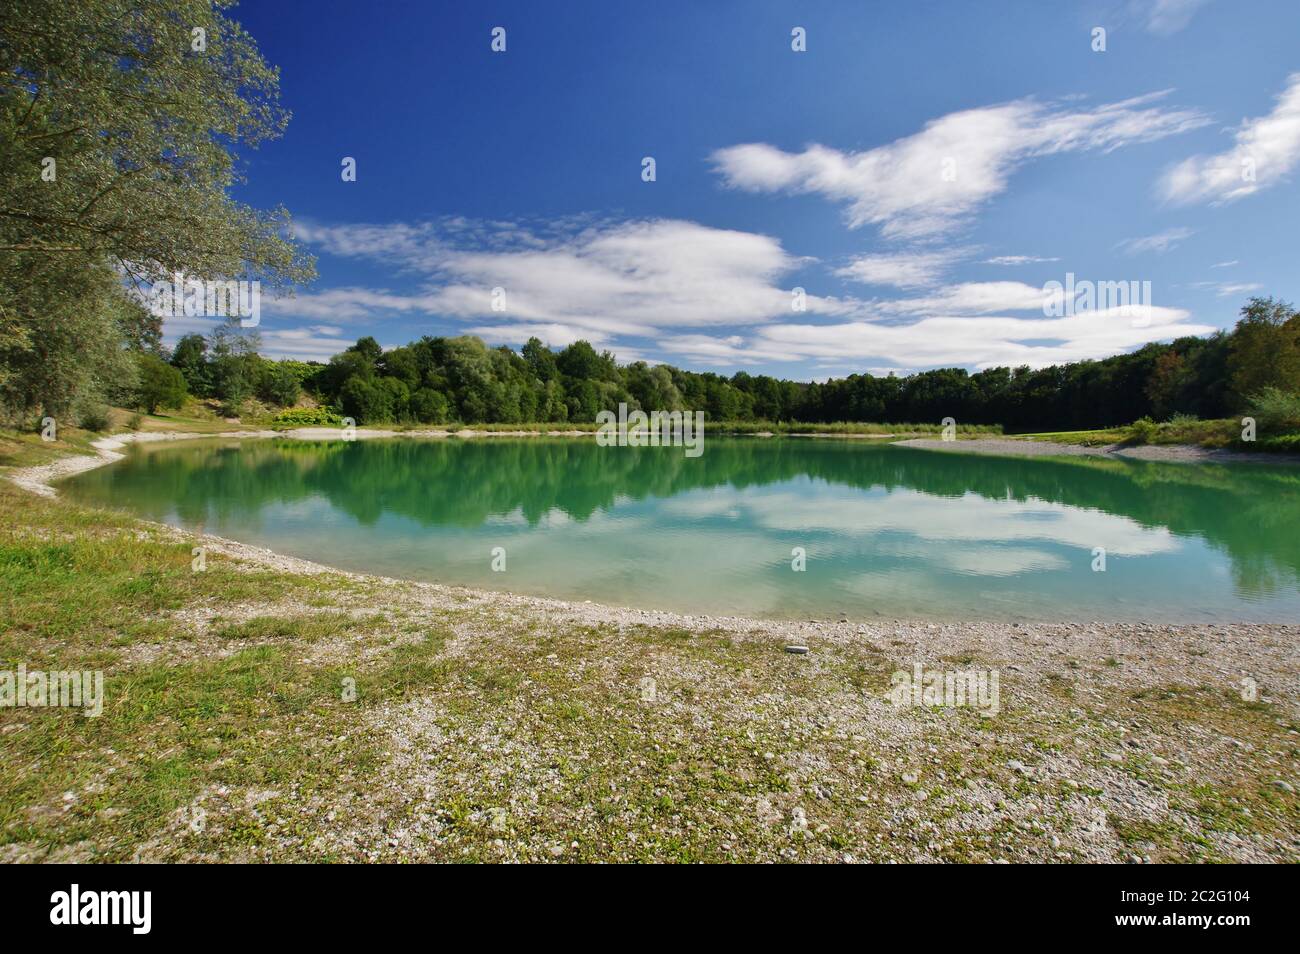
{"points": [[278, 383], [1143, 431], [236, 367], [430, 407], [1275, 411], [1266, 348], [306, 417], [1282, 443], [365, 402], [161, 385], [190, 357], [66, 353], [117, 155], [95, 418], [1184, 381]]}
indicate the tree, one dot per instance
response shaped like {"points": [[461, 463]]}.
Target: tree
{"points": [[540, 359], [190, 358], [1265, 350], [117, 154], [278, 384], [368, 348], [430, 407], [161, 385], [364, 401], [1166, 384], [68, 355], [580, 360], [235, 364]]}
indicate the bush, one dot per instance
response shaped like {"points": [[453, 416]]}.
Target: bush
{"points": [[306, 417], [161, 385], [1283, 443], [1143, 431], [278, 384], [95, 418], [1276, 411], [430, 407], [369, 401]]}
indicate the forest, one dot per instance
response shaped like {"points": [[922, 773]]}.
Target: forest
{"points": [[440, 380]]}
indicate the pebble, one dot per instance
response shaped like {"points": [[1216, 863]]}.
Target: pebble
{"points": [[797, 650]]}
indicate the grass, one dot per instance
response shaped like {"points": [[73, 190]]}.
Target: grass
{"points": [[1225, 433]]}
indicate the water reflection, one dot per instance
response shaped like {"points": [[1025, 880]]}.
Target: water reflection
{"points": [[888, 530]]}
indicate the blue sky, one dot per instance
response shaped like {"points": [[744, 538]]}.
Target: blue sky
{"points": [[921, 170]]}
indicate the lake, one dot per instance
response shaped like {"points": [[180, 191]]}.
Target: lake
{"points": [[885, 531]]}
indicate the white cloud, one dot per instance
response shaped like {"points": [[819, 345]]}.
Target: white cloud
{"points": [[901, 187], [973, 298], [554, 335], [1228, 289], [629, 278], [1227, 264], [1159, 243], [900, 269], [1018, 260], [951, 341], [1170, 16], [340, 304], [1266, 149]]}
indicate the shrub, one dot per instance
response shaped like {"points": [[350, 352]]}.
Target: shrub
{"points": [[278, 384], [1143, 431], [366, 401], [306, 417], [1284, 443], [95, 418], [161, 385], [1276, 411], [430, 407]]}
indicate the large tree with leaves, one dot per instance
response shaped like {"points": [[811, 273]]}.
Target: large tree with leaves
{"points": [[1265, 351], [120, 122]]}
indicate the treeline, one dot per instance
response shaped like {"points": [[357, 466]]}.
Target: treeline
{"points": [[442, 380]]}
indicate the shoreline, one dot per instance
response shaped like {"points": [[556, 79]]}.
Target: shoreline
{"points": [[38, 479], [1168, 453]]}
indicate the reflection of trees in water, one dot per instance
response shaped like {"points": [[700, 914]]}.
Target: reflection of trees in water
{"points": [[1250, 512]]}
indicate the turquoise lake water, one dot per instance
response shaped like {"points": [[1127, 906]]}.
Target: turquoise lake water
{"points": [[887, 532]]}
